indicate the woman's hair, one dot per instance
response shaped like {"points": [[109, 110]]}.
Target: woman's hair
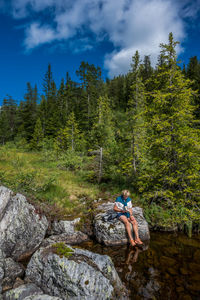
{"points": [[126, 193]]}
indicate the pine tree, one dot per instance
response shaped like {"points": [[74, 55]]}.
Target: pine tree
{"points": [[135, 122], [8, 119], [90, 77], [193, 73], [172, 172], [69, 138], [28, 112], [102, 137], [52, 121], [36, 142]]}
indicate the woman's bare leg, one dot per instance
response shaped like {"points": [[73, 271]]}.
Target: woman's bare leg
{"points": [[133, 221], [128, 229]]}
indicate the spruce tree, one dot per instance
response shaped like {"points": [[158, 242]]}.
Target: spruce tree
{"points": [[36, 142], [102, 138], [172, 172], [135, 134], [69, 137]]}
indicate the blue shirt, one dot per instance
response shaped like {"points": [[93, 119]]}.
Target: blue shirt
{"points": [[122, 203]]}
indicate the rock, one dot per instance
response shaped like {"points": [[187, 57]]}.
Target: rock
{"points": [[42, 297], [80, 274], [9, 271], [67, 227], [22, 229], [2, 259], [18, 282], [111, 231], [12, 270], [73, 239], [22, 292]]}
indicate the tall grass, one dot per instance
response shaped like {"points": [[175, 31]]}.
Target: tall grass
{"points": [[40, 177]]}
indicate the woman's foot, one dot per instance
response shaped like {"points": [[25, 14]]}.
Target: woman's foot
{"points": [[132, 243], [138, 241]]}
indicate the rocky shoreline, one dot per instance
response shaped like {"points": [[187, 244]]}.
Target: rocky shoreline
{"points": [[57, 269]]}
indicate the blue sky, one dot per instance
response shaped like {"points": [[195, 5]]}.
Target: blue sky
{"points": [[103, 32]]}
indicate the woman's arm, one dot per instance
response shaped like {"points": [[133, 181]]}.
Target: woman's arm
{"points": [[130, 211], [118, 209]]}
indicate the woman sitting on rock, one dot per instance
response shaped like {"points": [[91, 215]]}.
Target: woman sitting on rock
{"points": [[123, 207]]}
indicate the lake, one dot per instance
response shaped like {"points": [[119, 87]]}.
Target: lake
{"points": [[166, 268]]}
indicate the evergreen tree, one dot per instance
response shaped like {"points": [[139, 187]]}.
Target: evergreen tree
{"points": [[90, 77], [135, 122], [36, 142], [69, 138], [8, 119], [193, 73], [28, 112], [102, 136], [52, 121], [172, 172]]}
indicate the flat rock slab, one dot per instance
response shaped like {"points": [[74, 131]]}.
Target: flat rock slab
{"points": [[67, 227], [71, 239], [22, 229], [79, 275], [110, 231]]}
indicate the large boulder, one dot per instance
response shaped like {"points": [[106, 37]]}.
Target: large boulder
{"points": [[65, 231], [109, 230], [27, 292], [77, 274], [67, 227], [22, 229]]}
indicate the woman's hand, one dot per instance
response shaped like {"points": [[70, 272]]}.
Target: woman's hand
{"points": [[132, 218]]}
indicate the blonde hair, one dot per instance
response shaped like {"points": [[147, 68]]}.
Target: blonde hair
{"points": [[126, 193]]}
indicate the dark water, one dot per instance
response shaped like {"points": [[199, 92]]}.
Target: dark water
{"points": [[167, 268]]}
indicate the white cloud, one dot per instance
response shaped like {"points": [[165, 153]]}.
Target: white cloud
{"points": [[129, 25], [37, 34]]}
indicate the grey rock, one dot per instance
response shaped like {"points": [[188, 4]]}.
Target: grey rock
{"points": [[83, 275], [22, 292], [12, 270], [42, 297], [71, 239], [109, 230], [2, 273], [67, 227], [22, 229]]}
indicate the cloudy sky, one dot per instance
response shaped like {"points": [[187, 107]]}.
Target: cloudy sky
{"points": [[103, 32]]}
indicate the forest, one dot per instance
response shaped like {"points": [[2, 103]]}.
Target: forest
{"points": [[140, 130]]}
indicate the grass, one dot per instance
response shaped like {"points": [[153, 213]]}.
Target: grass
{"points": [[62, 250], [39, 177]]}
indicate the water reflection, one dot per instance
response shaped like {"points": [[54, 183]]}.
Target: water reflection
{"points": [[167, 268]]}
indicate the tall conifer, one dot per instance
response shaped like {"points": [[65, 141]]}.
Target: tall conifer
{"points": [[172, 172]]}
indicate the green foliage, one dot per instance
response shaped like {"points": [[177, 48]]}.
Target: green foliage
{"points": [[69, 137], [36, 142], [138, 130], [171, 173], [62, 250]]}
